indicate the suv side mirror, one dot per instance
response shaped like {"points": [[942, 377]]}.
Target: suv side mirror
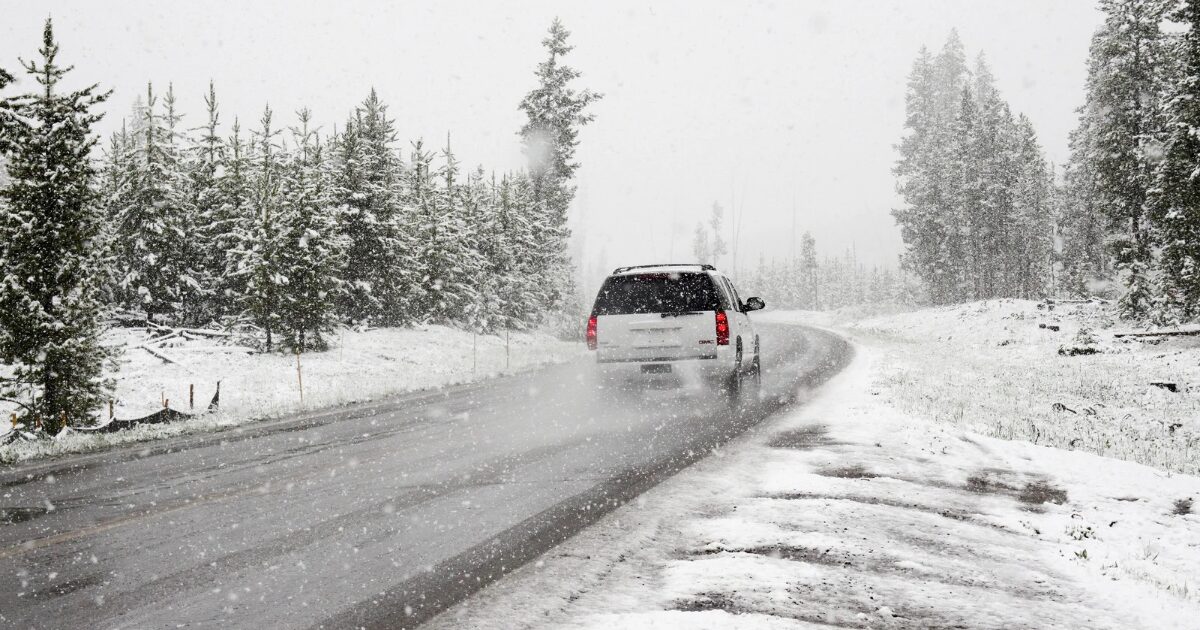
{"points": [[754, 304]]}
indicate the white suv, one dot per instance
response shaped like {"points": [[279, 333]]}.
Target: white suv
{"points": [[678, 320]]}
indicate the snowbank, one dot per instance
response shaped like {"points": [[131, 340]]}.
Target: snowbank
{"points": [[360, 367]]}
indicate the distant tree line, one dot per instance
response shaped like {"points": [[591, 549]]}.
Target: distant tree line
{"points": [[278, 227], [1131, 193], [807, 281], [977, 218]]}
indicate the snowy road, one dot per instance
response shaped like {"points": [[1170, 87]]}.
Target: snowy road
{"points": [[377, 515]]}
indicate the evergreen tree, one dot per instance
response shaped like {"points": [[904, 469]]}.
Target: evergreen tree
{"points": [[1030, 228], [155, 231], [312, 252], [262, 238], [701, 248], [459, 241], [194, 286], [1123, 113], [555, 113], [8, 120], [50, 311], [809, 295], [233, 220], [480, 211], [996, 246], [715, 221], [366, 186], [522, 292], [922, 177], [114, 190], [1082, 225], [211, 225], [977, 202], [1177, 202], [916, 217], [445, 255]]}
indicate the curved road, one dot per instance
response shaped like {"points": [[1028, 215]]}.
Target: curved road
{"points": [[378, 515]]}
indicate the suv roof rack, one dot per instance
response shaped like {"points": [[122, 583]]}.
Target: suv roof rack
{"points": [[705, 267]]}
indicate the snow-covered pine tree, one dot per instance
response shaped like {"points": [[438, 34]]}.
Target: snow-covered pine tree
{"points": [[701, 248], [1031, 232], [964, 185], [311, 255], [1123, 110], [521, 293], [555, 113], [154, 233], [7, 118], [204, 167], [445, 251], [195, 287], [366, 186], [262, 238], [950, 75], [355, 224], [923, 172], [234, 220], [1082, 224], [50, 311], [461, 286], [716, 223], [114, 186], [810, 295], [994, 246], [481, 213], [959, 173], [1176, 201]]}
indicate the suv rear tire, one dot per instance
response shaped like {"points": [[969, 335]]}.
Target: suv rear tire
{"points": [[752, 388], [731, 388]]}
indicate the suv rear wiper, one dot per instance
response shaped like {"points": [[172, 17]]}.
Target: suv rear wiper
{"points": [[666, 315]]}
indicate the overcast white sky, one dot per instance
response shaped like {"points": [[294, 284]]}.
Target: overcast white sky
{"points": [[762, 102]]}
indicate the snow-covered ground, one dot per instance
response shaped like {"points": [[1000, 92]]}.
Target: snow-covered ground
{"points": [[857, 510], [995, 367], [361, 366]]}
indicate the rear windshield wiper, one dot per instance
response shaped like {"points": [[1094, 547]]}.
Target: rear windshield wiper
{"points": [[665, 315]]}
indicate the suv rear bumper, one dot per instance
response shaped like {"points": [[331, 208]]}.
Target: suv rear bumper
{"points": [[706, 357], [709, 367]]}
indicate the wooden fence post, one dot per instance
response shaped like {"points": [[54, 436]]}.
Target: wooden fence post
{"points": [[299, 377], [191, 396]]}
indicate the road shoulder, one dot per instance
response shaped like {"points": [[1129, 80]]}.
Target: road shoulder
{"points": [[848, 513]]}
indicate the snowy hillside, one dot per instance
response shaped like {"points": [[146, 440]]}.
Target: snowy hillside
{"points": [[361, 366]]}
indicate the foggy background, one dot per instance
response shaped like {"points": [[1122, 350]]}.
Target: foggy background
{"points": [[767, 108]]}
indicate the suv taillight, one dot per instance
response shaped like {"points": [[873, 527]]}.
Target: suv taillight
{"points": [[722, 329], [591, 333]]}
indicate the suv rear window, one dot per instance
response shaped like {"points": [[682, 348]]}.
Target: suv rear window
{"points": [[656, 293]]}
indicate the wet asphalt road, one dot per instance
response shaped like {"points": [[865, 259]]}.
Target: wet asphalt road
{"points": [[378, 515]]}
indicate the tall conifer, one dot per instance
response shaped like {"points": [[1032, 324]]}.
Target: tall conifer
{"points": [[50, 280]]}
